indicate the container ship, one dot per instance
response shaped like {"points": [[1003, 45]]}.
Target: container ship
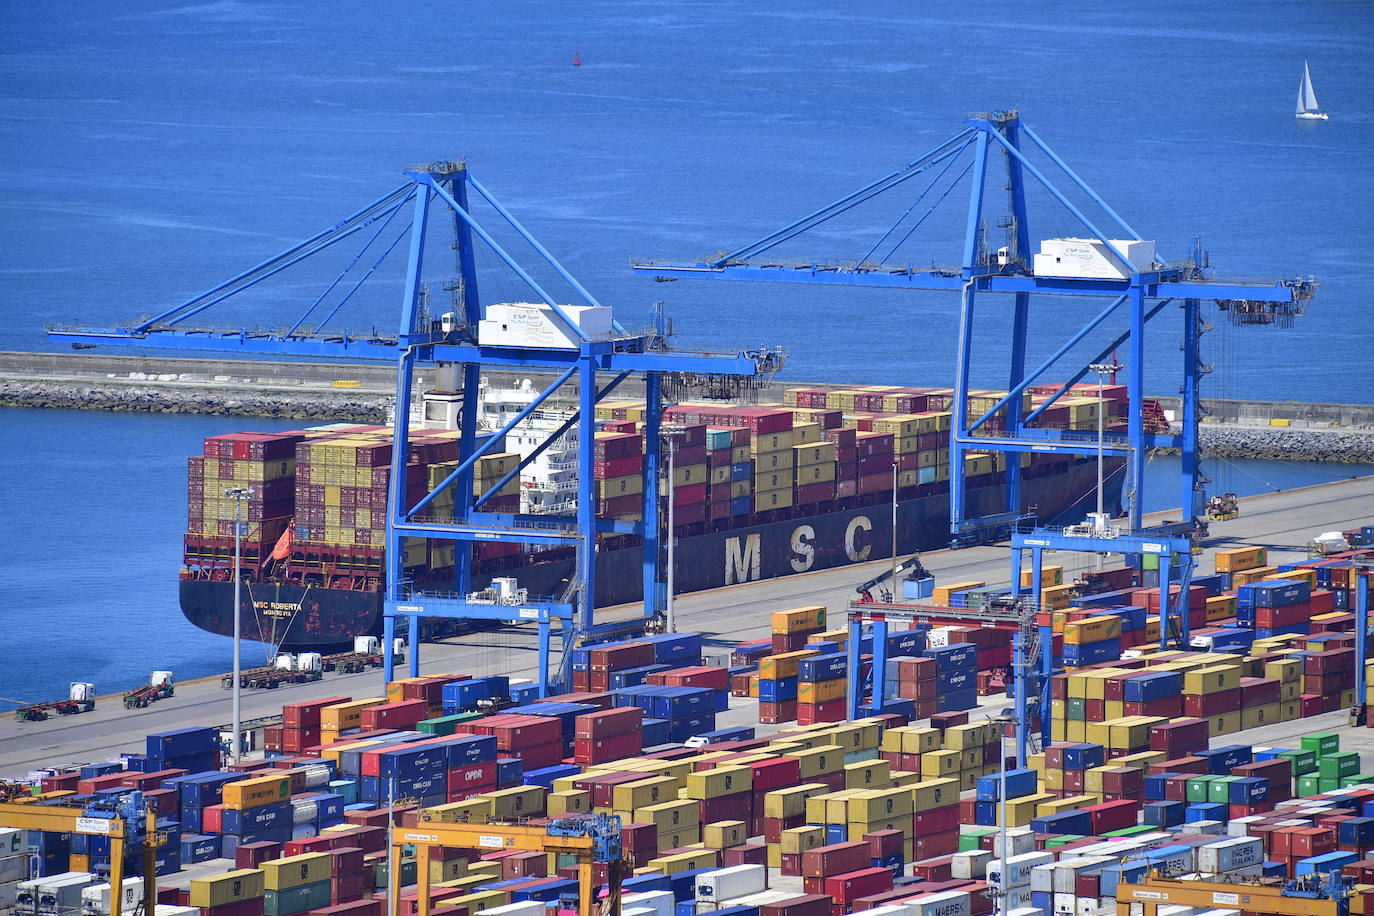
{"points": [[758, 492]]}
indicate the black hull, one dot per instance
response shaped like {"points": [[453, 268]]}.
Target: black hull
{"points": [[299, 617]]}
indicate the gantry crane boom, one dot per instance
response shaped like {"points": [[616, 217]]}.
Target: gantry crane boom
{"points": [[1153, 892]]}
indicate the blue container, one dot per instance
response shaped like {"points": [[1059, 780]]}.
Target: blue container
{"points": [[1155, 786], [1214, 584], [255, 820], [1119, 598], [680, 730], [893, 862], [823, 667], [1250, 790], [546, 775], [1276, 593], [890, 706], [907, 642], [199, 848], [463, 695], [509, 771], [1171, 859], [1018, 782], [1076, 821], [742, 470], [955, 700], [405, 762], [465, 751], [953, 657], [1206, 811], [1042, 901], [742, 505], [643, 884], [684, 883], [1222, 760], [633, 677], [771, 691], [1132, 617], [734, 733], [1092, 652], [985, 813], [1357, 831], [183, 742], [1163, 813], [549, 889], [676, 649], [201, 790], [191, 819], [1083, 756], [1112, 875], [1275, 869], [1152, 686], [92, 770], [528, 693], [957, 679], [656, 732], [825, 647], [1324, 864]]}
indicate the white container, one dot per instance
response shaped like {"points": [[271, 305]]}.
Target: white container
{"points": [[1085, 906], [166, 909], [398, 647], [1067, 872], [285, 661], [158, 678], [1228, 855], [760, 899], [1078, 258], [63, 892], [1018, 897], [309, 661], [528, 908], [81, 691], [660, 903], [1042, 879], [1018, 868], [96, 898], [366, 645], [1021, 840], [890, 910], [726, 883], [13, 868], [970, 865], [316, 775], [536, 324], [304, 811], [938, 636], [8, 895], [1203, 828], [304, 831], [1173, 909], [945, 903], [1027, 911], [1065, 905]]}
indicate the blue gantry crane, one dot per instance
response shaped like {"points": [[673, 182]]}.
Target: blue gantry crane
{"points": [[567, 342], [1111, 260]]}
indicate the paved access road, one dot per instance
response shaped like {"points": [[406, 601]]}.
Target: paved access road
{"points": [[1282, 521]]}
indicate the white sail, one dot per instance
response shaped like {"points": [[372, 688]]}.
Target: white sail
{"points": [[1307, 99]]}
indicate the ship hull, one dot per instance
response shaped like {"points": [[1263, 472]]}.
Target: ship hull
{"points": [[301, 617]]}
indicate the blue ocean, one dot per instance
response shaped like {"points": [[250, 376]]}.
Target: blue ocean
{"points": [[150, 150]]}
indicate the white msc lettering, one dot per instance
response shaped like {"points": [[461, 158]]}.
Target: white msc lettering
{"points": [[803, 551], [857, 524], [742, 565]]}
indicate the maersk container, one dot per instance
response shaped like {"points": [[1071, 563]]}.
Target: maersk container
{"points": [[944, 903], [1229, 855]]}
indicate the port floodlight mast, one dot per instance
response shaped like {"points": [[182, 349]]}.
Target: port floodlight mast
{"points": [[1126, 272], [577, 350], [238, 495]]}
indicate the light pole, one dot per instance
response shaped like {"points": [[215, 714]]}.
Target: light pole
{"points": [[895, 596], [1102, 370], [670, 621], [238, 495]]}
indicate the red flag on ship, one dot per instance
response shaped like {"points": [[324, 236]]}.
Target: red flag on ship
{"points": [[283, 548]]}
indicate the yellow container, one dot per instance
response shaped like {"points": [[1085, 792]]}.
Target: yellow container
{"points": [[467, 810], [1049, 575], [791, 801], [783, 665], [572, 801], [821, 691], [1220, 607], [819, 760], [343, 716], [447, 869], [646, 792], [1240, 558], [934, 793], [870, 774], [294, 871], [724, 834], [230, 887], [721, 781], [672, 815], [1092, 629], [256, 792], [686, 861], [798, 620], [942, 592], [1212, 679], [880, 804], [481, 900], [798, 840], [972, 735], [516, 802], [830, 808]]}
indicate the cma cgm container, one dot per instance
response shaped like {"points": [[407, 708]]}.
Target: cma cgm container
{"points": [[320, 582]]}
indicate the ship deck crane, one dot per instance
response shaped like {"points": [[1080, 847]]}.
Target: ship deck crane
{"points": [[123, 825], [455, 340], [1140, 288], [592, 838]]}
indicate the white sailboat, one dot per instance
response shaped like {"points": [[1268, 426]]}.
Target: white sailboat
{"points": [[1308, 109]]}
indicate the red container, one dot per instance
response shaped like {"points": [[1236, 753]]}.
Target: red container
{"points": [[250, 907], [801, 905], [622, 656], [1113, 815], [602, 750], [775, 713], [835, 859], [737, 807], [352, 908], [610, 722], [701, 676], [311, 844], [936, 844], [402, 715], [521, 732], [882, 843], [847, 888], [1211, 704], [251, 855]]}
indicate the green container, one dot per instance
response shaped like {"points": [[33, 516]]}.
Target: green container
{"points": [[1309, 784], [1359, 779], [1338, 765], [1149, 561], [862, 756], [1132, 831], [1197, 789], [1075, 709], [446, 725], [1322, 743], [347, 788], [1066, 839], [1218, 790], [971, 838], [296, 899], [1304, 761], [407, 873]]}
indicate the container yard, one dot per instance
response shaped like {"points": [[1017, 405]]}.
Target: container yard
{"points": [[1232, 770]]}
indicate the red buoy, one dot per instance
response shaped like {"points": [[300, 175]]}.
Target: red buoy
{"points": [[577, 58]]}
